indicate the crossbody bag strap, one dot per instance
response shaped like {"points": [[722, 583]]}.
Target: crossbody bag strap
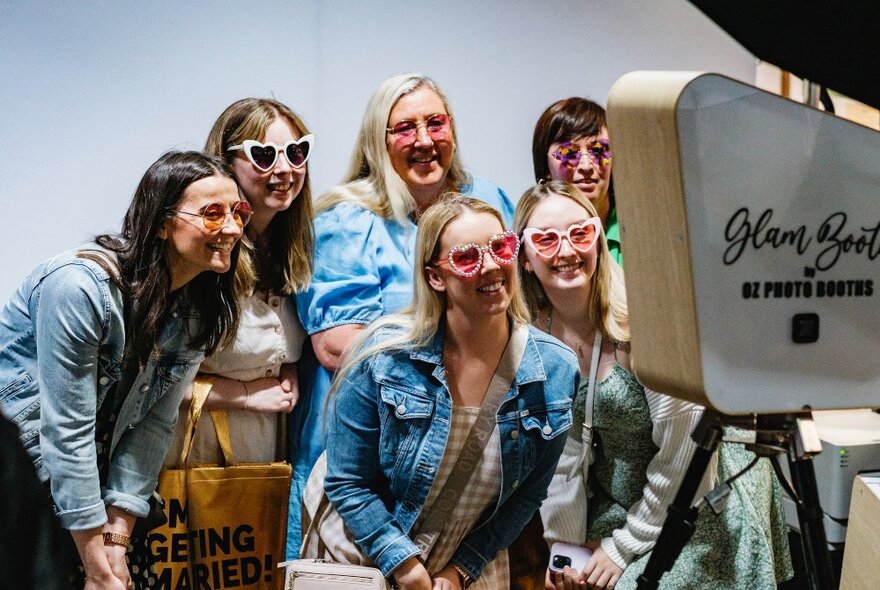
{"points": [[591, 385], [476, 442]]}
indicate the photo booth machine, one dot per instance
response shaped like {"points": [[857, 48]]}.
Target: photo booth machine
{"points": [[750, 228]]}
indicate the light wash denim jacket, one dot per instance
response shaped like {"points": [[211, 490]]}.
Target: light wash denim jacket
{"points": [[62, 340], [387, 431]]}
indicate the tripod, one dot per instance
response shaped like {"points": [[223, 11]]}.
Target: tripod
{"points": [[796, 435]]}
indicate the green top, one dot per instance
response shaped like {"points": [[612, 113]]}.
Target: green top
{"points": [[612, 236]]}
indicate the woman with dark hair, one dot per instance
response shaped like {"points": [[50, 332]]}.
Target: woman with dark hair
{"points": [[267, 147], [571, 143], [417, 387], [405, 158], [99, 343]]}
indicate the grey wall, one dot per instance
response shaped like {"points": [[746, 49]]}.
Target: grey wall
{"points": [[92, 93]]}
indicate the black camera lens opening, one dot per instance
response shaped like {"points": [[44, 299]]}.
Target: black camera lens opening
{"points": [[560, 561]]}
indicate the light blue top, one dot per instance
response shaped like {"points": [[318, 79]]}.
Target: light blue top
{"points": [[389, 429], [363, 262], [62, 343], [363, 270]]}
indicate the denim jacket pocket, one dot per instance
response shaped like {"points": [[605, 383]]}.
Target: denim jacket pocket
{"points": [[542, 426], [405, 414]]}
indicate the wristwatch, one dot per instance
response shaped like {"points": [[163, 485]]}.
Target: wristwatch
{"points": [[116, 539], [466, 580]]}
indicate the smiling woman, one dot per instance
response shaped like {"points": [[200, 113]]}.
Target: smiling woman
{"points": [[405, 158], [99, 343], [460, 365]]}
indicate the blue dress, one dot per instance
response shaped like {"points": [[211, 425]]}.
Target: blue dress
{"points": [[363, 270]]}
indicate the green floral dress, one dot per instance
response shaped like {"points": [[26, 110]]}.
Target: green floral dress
{"points": [[744, 548]]}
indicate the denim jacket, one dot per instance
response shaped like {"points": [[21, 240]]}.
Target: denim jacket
{"points": [[62, 343], [387, 432]]}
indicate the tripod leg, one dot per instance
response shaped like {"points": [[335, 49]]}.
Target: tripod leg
{"points": [[812, 526], [679, 524]]}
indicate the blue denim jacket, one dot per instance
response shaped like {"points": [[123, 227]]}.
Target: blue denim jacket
{"points": [[387, 432], [62, 341]]}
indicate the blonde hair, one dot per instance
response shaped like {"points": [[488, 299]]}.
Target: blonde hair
{"points": [[607, 305], [371, 181], [419, 323], [287, 266]]}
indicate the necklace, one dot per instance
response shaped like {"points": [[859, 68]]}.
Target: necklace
{"points": [[578, 345]]}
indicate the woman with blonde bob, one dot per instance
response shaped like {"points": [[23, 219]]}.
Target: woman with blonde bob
{"points": [[405, 158], [411, 390], [641, 445]]}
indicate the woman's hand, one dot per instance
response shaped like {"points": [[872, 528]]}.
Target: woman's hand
{"points": [[268, 395], [568, 579], [600, 572], [290, 382], [100, 573], [412, 575], [447, 579], [116, 558]]}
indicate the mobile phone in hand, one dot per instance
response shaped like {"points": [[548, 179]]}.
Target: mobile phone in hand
{"points": [[565, 554]]}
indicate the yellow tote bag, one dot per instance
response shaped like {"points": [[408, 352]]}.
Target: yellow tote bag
{"points": [[226, 524]]}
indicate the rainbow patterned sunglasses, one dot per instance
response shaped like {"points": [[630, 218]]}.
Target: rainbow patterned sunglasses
{"points": [[597, 150]]}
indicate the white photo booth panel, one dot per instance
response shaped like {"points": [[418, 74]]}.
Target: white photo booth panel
{"points": [[749, 226]]}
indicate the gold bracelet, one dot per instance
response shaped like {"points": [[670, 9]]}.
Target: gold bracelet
{"points": [[117, 539], [247, 395], [463, 575]]}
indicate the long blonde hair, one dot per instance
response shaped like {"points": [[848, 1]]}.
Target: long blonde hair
{"points": [[607, 305], [288, 266], [371, 181], [418, 324]]}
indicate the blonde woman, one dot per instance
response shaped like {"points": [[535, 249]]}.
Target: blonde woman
{"points": [[410, 392], [641, 443], [405, 158]]}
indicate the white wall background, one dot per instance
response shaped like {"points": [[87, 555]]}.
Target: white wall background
{"points": [[91, 93]]}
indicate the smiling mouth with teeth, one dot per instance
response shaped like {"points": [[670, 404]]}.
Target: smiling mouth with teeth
{"points": [[222, 246], [491, 287], [279, 187], [568, 267]]}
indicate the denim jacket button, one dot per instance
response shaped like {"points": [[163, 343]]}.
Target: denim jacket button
{"points": [[145, 388], [104, 380], [547, 430], [401, 409], [515, 483], [514, 435]]}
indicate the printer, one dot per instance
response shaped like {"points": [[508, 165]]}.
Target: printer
{"points": [[850, 446]]}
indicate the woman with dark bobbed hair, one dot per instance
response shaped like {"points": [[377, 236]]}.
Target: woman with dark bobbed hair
{"points": [[99, 343], [571, 143]]}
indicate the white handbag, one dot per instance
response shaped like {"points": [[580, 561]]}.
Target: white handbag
{"points": [[319, 574]]}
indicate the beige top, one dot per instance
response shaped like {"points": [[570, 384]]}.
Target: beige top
{"points": [[269, 335], [480, 493]]}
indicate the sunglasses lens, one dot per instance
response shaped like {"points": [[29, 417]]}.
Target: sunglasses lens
{"points": [[298, 154], [241, 213], [263, 157], [438, 125], [214, 215], [583, 237], [404, 128], [546, 243], [466, 260], [504, 248]]}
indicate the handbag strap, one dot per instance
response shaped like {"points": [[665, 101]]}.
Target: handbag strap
{"points": [[200, 391], [591, 385], [477, 439]]}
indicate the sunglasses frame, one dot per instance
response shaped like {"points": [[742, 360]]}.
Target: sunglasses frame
{"points": [[597, 161], [482, 253], [401, 135], [226, 214], [532, 231], [247, 144]]}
